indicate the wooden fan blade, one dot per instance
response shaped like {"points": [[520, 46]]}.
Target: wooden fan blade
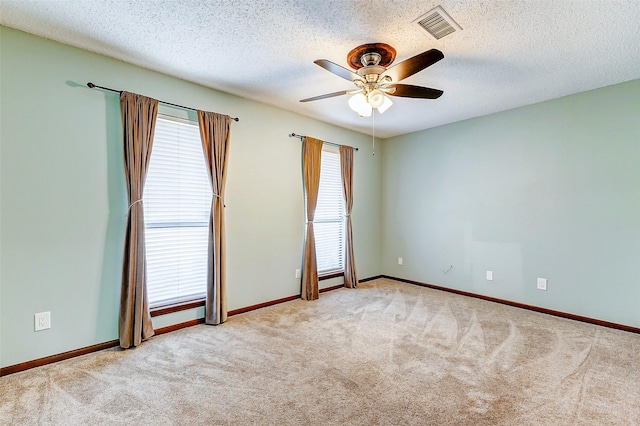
{"points": [[328, 95], [410, 66], [338, 70], [409, 91]]}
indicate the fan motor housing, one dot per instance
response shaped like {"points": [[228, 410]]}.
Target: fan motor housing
{"points": [[371, 73]]}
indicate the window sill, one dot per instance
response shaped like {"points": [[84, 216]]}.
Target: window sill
{"points": [[191, 304], [176, 307], [331, 275]]}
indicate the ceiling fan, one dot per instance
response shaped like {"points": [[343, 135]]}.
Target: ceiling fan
{"points": [[374, 78]]}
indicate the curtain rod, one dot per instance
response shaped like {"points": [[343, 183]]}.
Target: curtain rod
{"points": [[293, 135], [92, 86]]}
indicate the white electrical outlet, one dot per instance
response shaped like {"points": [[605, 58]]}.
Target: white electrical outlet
{"points": [[399, 261], [42, 321], [542, 283], [297, 273], [489, 275]]}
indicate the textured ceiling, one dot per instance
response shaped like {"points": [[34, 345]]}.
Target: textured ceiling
{"points": [[509, 54]]}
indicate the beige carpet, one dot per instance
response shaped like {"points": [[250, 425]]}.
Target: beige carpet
{"points": [[387, 353]]}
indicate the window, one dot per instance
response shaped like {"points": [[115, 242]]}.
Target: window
{"points": [[177, 201], [328, 222]]}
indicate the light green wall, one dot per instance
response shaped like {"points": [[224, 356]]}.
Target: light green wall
{"points": [[63, 197], [549, 190], [0, 198]]}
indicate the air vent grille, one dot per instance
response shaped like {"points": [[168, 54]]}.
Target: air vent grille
{"points": [[438, 23]]}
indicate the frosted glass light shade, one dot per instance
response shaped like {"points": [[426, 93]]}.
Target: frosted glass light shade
{"points": [[385, 105], [359, 104], [357, 101], [365, 111], [376, 98]]}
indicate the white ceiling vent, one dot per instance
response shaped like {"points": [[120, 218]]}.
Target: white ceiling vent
{"points": [[437, 23]]}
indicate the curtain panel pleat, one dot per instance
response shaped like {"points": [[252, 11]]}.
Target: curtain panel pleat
{"points": [[311, 159], [138, 120], [214, 132], [346, 166]]}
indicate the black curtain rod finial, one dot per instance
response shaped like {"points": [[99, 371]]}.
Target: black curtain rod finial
{"points": [[91, 85]]}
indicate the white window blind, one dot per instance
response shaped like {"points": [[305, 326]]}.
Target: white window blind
{"points": [[328, 222], [177, 200]]}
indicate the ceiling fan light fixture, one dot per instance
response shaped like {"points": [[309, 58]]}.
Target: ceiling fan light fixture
{"points": [[359, 104], [385, 105], [365, 111], [376, 98], [357, 101]]}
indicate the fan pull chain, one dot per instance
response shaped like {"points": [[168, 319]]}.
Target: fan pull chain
{"points": [[373, 132]]}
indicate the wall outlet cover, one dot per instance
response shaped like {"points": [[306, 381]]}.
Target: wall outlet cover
{"points": [[542, 283], [489, 275], [297, 273], [42, 321], [399, 261]]}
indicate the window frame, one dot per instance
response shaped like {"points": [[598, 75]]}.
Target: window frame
{"points": [[191, 301], [333, 273]]}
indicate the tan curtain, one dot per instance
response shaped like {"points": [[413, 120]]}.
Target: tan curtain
{"points": [[311, 157], [138, 121], [346, 166], [214, 132]]}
